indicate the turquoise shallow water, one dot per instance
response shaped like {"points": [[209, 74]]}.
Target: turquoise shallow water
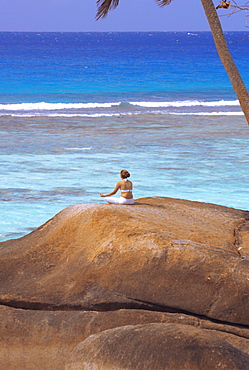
{"points": [[56, 162], [75, 109]]}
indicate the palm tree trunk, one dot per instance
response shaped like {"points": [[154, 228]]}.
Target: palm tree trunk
{"points": [[225, 56]]}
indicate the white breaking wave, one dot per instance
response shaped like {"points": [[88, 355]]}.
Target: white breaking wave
{"points": [[99, 115], [210, 114], [43, 106], [187, 103], [68, 115], [116, 109], [54, 106]]}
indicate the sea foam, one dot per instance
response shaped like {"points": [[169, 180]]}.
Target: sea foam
{"points": [[54, 106], [187, 103], [44, 106]]}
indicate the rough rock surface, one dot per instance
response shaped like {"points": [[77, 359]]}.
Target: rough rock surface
{"points": [[153, 262], [156, 346], [36, 339]]}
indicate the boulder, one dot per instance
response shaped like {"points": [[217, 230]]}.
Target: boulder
{"points": [[97, 267], [159, 254], [158, 347], [43, 339]]}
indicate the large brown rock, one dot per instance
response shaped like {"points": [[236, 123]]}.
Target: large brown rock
{"points": [[185, 263], [39, 339], [156, 346], [158, 254]]}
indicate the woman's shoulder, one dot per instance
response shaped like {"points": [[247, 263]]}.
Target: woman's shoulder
{"points": [[125, 181], [127, 184]]}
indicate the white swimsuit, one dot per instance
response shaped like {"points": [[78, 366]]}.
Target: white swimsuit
{"points": [[121, 200]]}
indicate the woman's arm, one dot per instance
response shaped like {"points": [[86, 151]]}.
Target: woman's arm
{"points": [[117, 187]]}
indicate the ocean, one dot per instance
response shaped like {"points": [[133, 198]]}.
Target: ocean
{"points": [[76, 108]]}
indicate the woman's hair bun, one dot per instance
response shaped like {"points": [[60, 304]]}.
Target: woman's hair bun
{"points": [[125, 174]]}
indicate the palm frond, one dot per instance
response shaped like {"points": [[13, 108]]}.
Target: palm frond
{"points": [[163, 2], [104, 6]]}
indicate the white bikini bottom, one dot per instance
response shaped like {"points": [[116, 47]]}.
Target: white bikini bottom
{"points": [[121, 200]]}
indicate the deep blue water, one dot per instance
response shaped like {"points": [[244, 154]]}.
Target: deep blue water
{"points": [[75, 108], [80, 67]]}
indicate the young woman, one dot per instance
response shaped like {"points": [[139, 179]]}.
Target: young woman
{"points": [[125, 187]]}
